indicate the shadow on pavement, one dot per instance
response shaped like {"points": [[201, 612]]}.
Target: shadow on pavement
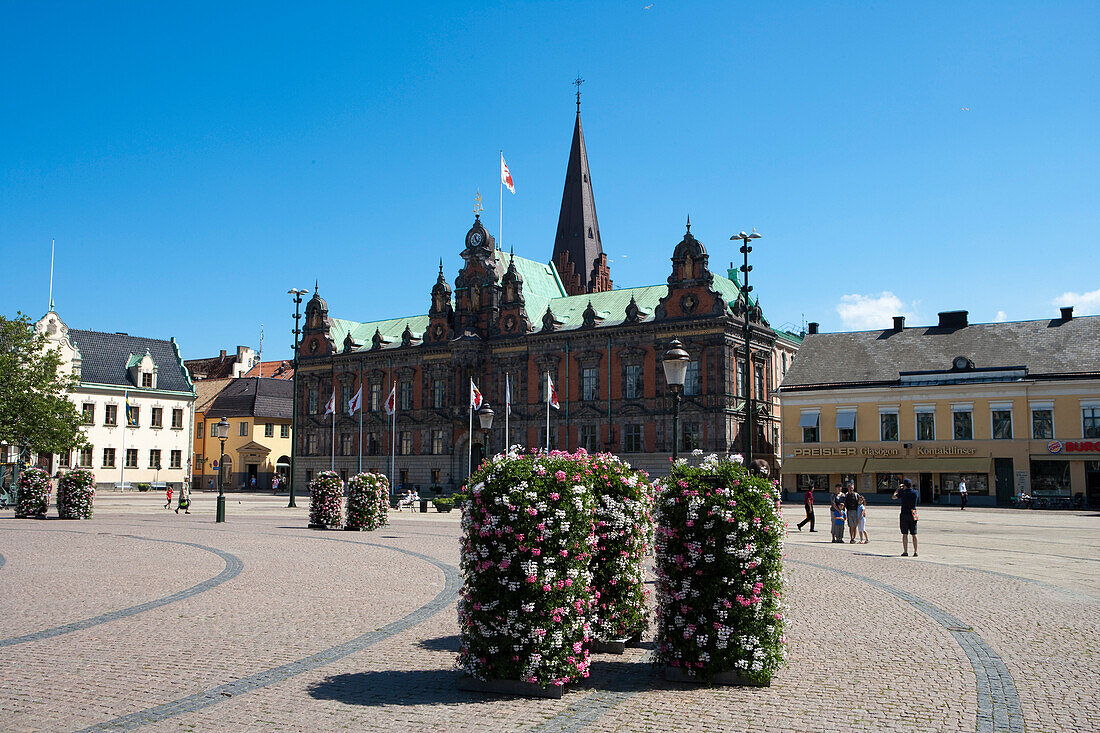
{"points": [[394, 687], [441, 644]]}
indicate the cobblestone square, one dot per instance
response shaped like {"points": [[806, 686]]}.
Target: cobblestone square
{"points": [[142, 618]]}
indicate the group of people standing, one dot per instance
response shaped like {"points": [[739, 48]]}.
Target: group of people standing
{"points": [[848, 507]]}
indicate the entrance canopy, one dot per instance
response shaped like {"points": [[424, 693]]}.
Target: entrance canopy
{"points": [[946, 464], [843, 464]]}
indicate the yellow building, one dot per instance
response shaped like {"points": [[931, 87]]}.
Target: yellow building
{"points": [[1012, 408], [259, 412]]}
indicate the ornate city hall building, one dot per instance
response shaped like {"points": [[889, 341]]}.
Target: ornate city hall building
{"points": [[510, 319]]}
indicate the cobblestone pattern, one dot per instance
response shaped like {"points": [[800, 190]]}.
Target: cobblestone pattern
{"points": [[233, 567]]}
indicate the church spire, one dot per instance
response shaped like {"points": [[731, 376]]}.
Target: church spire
{"points": [[578, 251]]}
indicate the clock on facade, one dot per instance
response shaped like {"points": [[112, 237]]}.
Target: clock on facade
{"points": [[475, 239]]}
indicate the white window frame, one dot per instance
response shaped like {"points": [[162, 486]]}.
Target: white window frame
{"points": [[963, 407], [894, 410], [1003, 407], [814, 413], [1043, 405], [1087, 405], [925, 409]]}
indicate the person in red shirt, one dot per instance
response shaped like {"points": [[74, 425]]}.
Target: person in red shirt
{"points": [[809, 502]]}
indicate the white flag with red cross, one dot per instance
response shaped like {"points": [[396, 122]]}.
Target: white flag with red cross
{"points": [[391, 402], [552, 393], [330, 408], [506, 175]]}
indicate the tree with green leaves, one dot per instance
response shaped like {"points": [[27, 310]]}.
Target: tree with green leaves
{"points": [[35, 412]]}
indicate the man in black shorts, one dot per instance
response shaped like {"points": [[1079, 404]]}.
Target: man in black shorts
{"points": [[908, 499]]}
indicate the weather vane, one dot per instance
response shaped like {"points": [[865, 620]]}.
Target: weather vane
{"points": [[477, 205], [577, 83]]}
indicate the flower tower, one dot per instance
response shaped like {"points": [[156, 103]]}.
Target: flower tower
{"points": [[75, 494], [368, 502], [34, 493], [326, 501]]}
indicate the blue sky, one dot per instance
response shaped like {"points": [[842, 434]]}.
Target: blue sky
{"points": [[196, 161]]}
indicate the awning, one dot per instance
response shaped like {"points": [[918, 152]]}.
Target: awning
{"points": [[845, 464], [808, 420], [846, 420], [943, 464]]}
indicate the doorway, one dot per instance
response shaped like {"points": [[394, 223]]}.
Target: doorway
{"points": [[1092, 484], [1002, 475], [476, 456], [926, 488], [253, 476]]}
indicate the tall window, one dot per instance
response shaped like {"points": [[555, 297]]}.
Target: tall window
{"points": [[156, 417], [213, 430], [962, 422], [742, 379], [1002, 424], [405, 442], [588, 437], [846, 426], [553, 434], [311, 445], [243, 429], [690, 436], [405, 395], [437, 442], [439, 393], [435, 475], [633, 387], [110, 414], [89, 413], [1090, 422], [311, 402], [86, 457], [176, 459], [761, 383], [926, 425], [133, 416], [154, 458], [692, 385], [810, 428], [64, 458], [375, 400], [269, 430], [632, 438], [284, 431], [108, 458], [345, 444], [147, 379], [177, 419], [888, 426], [372, 444], [589, 384], [131, 458], [1042, 423]]}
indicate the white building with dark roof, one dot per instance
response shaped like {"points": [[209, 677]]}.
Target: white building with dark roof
{"points": [[138, 404], [1009, 408]]}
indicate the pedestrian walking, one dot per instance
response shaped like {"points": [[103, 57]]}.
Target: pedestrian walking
{"points": [[808, 501], [864, 538], [851, 506], [168, 493], [963, 492], [184, 500], [908, 520]]}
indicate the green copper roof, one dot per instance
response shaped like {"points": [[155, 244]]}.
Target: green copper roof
{"points": [[134, 360], [363, 333]]}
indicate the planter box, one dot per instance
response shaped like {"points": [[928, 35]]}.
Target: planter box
{"points": [[614, 646], [734, 679], [509, 687], [323, 526], [443, 508]]}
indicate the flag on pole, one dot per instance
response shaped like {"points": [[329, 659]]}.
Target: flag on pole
{"points": [[551, 393], [131, 418], [507, 395], [330, 408], [475, 396], [506, 175], [391, 402], [356, 402]]}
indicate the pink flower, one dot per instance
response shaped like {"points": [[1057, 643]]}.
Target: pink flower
{"points": [[560, 476]]}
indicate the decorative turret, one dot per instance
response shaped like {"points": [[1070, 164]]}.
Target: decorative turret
{"points": [[477, 287], [513, 312], [317, 332], [691, 285]]}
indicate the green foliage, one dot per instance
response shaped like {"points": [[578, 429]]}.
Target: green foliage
{"points": [[143, 487], [719, 571], [443, 503], [34, 410], [75, 493], [34, 493]]}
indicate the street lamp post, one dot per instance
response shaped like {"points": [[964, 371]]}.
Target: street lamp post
{"points": [[485, 416], [297, 293], [746, 334], [223, 433], [675, 363]]}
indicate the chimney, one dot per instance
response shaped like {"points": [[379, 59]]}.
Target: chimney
{"points": [[223, 354], [813, 328], [899, 323], [1067, 313], [953, 319]]}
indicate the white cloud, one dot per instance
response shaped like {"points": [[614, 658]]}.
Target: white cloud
{"points": [[1083, 303], [866, 312], [1001, 317]]}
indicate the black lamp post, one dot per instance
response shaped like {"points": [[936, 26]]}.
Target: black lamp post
{"points": [[485, 416], [675, 363], [746, 334], [223, 433], [297, 293]]}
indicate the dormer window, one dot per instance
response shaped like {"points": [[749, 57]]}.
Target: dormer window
{"points": [[147, 379]]}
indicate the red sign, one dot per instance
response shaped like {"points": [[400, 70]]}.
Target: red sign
{"points": [[1082, 446]]}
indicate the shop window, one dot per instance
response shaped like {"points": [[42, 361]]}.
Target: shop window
{"points": [[809, 424], [1050, 477], [926, 426], [1090, 422], [633, 386], [1042, 424], [888, 426], [692, 383], [962, 425], [977, 484], [887, 483], [632, 438], [1002, 424], [815, 481]]}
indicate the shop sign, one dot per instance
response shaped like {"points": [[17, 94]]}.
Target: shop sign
{"points": [[828, 452], [1075, 446], [924, 451]]}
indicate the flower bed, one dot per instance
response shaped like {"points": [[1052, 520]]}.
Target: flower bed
{"points": [[326, 501], [368, 501], [75, 493], [719, 546], [34, 493], [527, 602], [624, 524]]}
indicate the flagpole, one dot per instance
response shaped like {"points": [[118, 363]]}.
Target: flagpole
{"points": [[126, 410], [548, 388], [470, 437], [500, 228], [360, 406], [332, 461], [507, 409], [393, 432]]}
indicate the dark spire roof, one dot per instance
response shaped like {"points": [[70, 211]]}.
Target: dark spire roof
{"points": [[577, 241]]}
